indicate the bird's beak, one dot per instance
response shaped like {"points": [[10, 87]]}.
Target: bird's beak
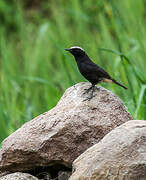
{"points": [[67, 49]]}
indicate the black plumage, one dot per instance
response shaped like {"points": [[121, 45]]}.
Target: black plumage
{"points": [[91, 71]]}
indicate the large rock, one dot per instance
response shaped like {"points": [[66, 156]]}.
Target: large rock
{"points": [[120, 155], [18, 176], [63, 133]]}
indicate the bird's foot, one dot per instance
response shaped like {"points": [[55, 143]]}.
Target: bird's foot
{"points": [[93, 88], [91, 96], [87, 90]]}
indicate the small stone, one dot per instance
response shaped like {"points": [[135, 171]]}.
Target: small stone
{"points": [[18, 176]]}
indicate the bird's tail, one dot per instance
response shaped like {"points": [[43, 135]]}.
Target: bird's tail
{"points": [[114, 81]]}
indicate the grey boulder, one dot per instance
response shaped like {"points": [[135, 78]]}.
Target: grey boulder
{"points": [[120, 155], [60, 135]]}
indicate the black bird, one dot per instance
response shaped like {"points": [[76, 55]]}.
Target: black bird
{"points": [[91, 71]]}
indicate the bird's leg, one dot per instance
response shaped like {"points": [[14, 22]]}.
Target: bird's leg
{"points": [[93, 88], [91, 96], [87, 90]]}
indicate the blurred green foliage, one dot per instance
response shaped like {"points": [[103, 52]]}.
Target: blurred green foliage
{"points": [[35, 70]]}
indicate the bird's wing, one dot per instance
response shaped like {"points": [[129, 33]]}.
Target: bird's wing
{"points": [[94, 68]]}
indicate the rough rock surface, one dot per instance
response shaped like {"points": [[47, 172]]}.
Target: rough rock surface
{"points": [[64, 175], [18, 176], [4, 173], [120, 155], [63, 133]]}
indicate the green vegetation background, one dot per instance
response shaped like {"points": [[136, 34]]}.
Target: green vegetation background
{"points": [[35, 70]]}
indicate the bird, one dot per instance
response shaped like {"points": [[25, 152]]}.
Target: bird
{"points": [[91, 71]]}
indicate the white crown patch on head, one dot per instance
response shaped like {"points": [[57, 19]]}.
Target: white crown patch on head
{"points": [[77, 47]]}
